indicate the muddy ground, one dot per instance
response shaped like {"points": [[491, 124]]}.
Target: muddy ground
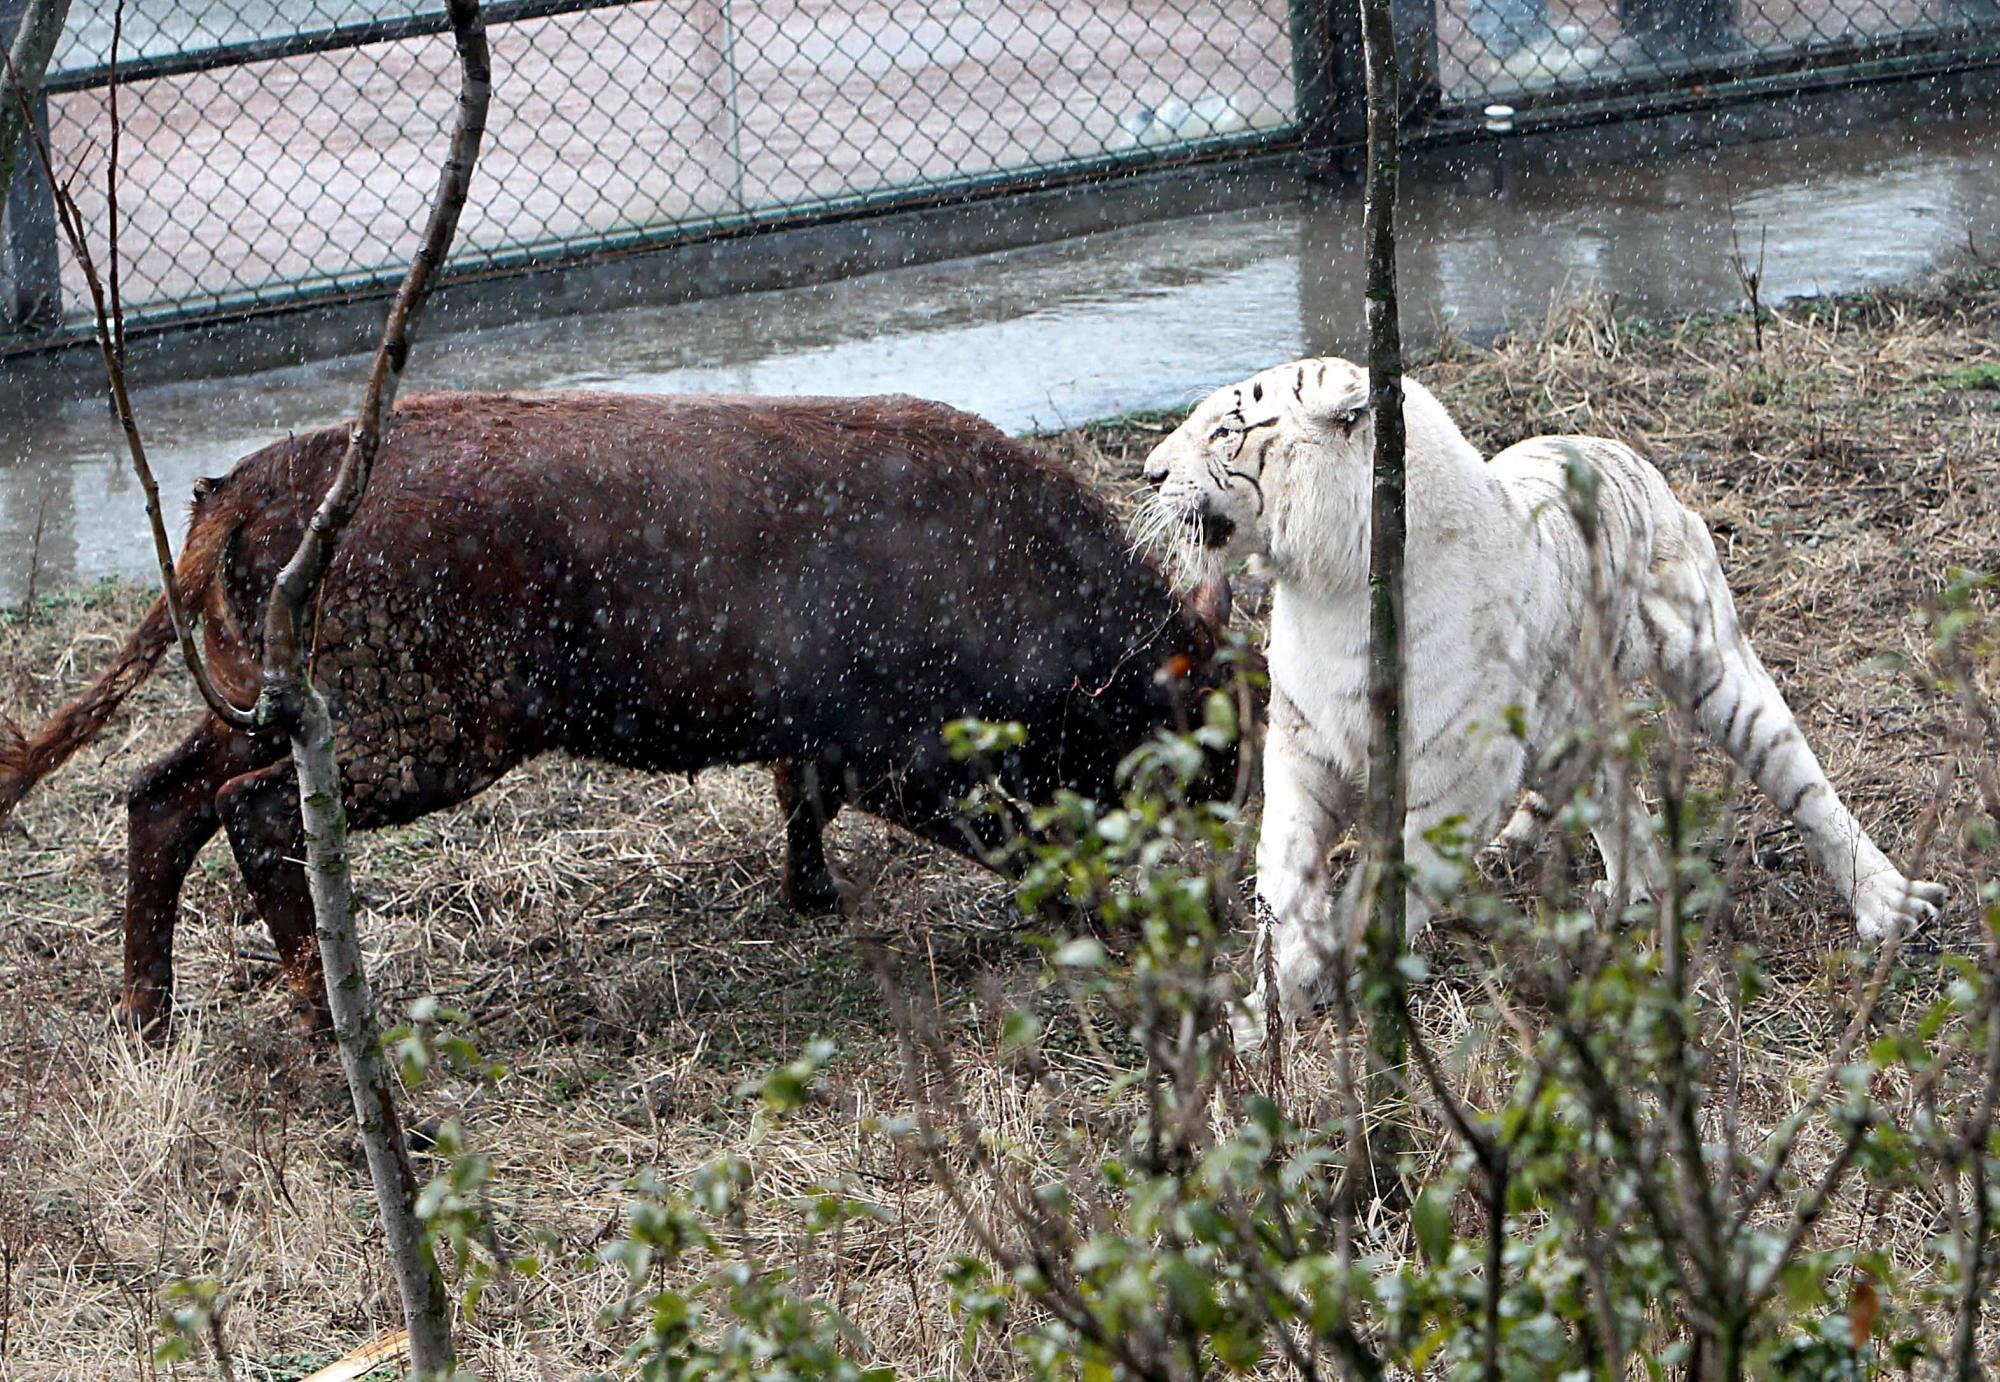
{"points": [[619, 940]]}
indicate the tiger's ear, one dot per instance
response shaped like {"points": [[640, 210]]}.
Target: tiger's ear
{"points": [[1334, 394]]}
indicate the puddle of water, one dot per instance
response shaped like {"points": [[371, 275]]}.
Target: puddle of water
{"points": [[1144, 317]]}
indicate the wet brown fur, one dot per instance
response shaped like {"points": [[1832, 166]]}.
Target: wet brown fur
{"points": [[664, 583], [26, 759]]}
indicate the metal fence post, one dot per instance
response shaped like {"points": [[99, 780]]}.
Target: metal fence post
{"points": [[1332, 79], [1416, 24], [1670, 29], [33, 261], [1314, 89]]}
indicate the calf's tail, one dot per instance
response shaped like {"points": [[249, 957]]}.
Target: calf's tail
{"points": [[25, 759]]}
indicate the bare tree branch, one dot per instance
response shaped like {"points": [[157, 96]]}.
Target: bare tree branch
{"points": [[108, 316], [1786, 1137], [292, 702], [289, 701]]}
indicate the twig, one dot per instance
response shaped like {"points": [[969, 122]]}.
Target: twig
{"points": [[1750, 280], [1974, 1136], [1682, 1095], [1603, 1102], [1808, 1212], [110, 331], [218, 1345], [35, 552], [285, 614], [1786, 1137], [1975, 1131]]}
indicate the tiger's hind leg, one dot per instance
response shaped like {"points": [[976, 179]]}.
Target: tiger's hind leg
{"points": [[1550, 783], [1625, 832], [1627, 837], [1709, 670]]}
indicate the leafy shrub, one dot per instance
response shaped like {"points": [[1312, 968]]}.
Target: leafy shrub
{"points": [[1580, 1192]]}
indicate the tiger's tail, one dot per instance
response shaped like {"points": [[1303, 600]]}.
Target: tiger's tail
{"points": [[25, 759]]}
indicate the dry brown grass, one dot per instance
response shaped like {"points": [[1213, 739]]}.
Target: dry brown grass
{"points": [[619, 940]]}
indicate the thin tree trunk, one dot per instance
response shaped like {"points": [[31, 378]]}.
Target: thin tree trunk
{"points": [[34, 44], [1975, 1139], [291, 701], [1387, 787]]}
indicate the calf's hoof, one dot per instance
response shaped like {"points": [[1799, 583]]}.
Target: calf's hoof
{"points": [[148, 1012], [315, 1021], [810, 892], [309, 1007]]}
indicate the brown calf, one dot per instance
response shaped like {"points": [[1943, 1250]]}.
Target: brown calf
{"points": [[664, 583]]}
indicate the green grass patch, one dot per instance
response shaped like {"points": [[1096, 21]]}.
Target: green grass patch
{"points": [[1980, 376], [106, 591], [1140, 419]]}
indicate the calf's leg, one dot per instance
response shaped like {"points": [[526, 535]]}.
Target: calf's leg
{"points": [[260, 810], [808, 799], [170, 815]]}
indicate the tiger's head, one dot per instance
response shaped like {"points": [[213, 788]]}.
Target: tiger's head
{"points": [[1260, 466]]}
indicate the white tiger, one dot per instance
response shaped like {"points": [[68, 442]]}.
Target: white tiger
{"points": [[1498, 600]]}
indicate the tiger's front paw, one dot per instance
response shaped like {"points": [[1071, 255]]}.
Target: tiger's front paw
{"points": [[1249, 1023], [1889, 904]]}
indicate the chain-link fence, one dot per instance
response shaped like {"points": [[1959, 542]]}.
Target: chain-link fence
{"points": [[281, 150], [1556, 50], [274, 148]]}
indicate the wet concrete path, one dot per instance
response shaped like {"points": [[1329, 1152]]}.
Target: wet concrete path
{"points": [[1145, 317]]}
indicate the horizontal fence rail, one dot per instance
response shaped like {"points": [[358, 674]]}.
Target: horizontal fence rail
{"points": [[281, 151], [1556, 50]]}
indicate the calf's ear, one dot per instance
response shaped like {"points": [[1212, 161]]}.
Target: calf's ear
{"points": [[1211, 601]]}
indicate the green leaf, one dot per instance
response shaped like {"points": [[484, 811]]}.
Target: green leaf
{"points": [[1019, 1029], [1082, 953], [1430, 1217], [1192, 1293]]}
